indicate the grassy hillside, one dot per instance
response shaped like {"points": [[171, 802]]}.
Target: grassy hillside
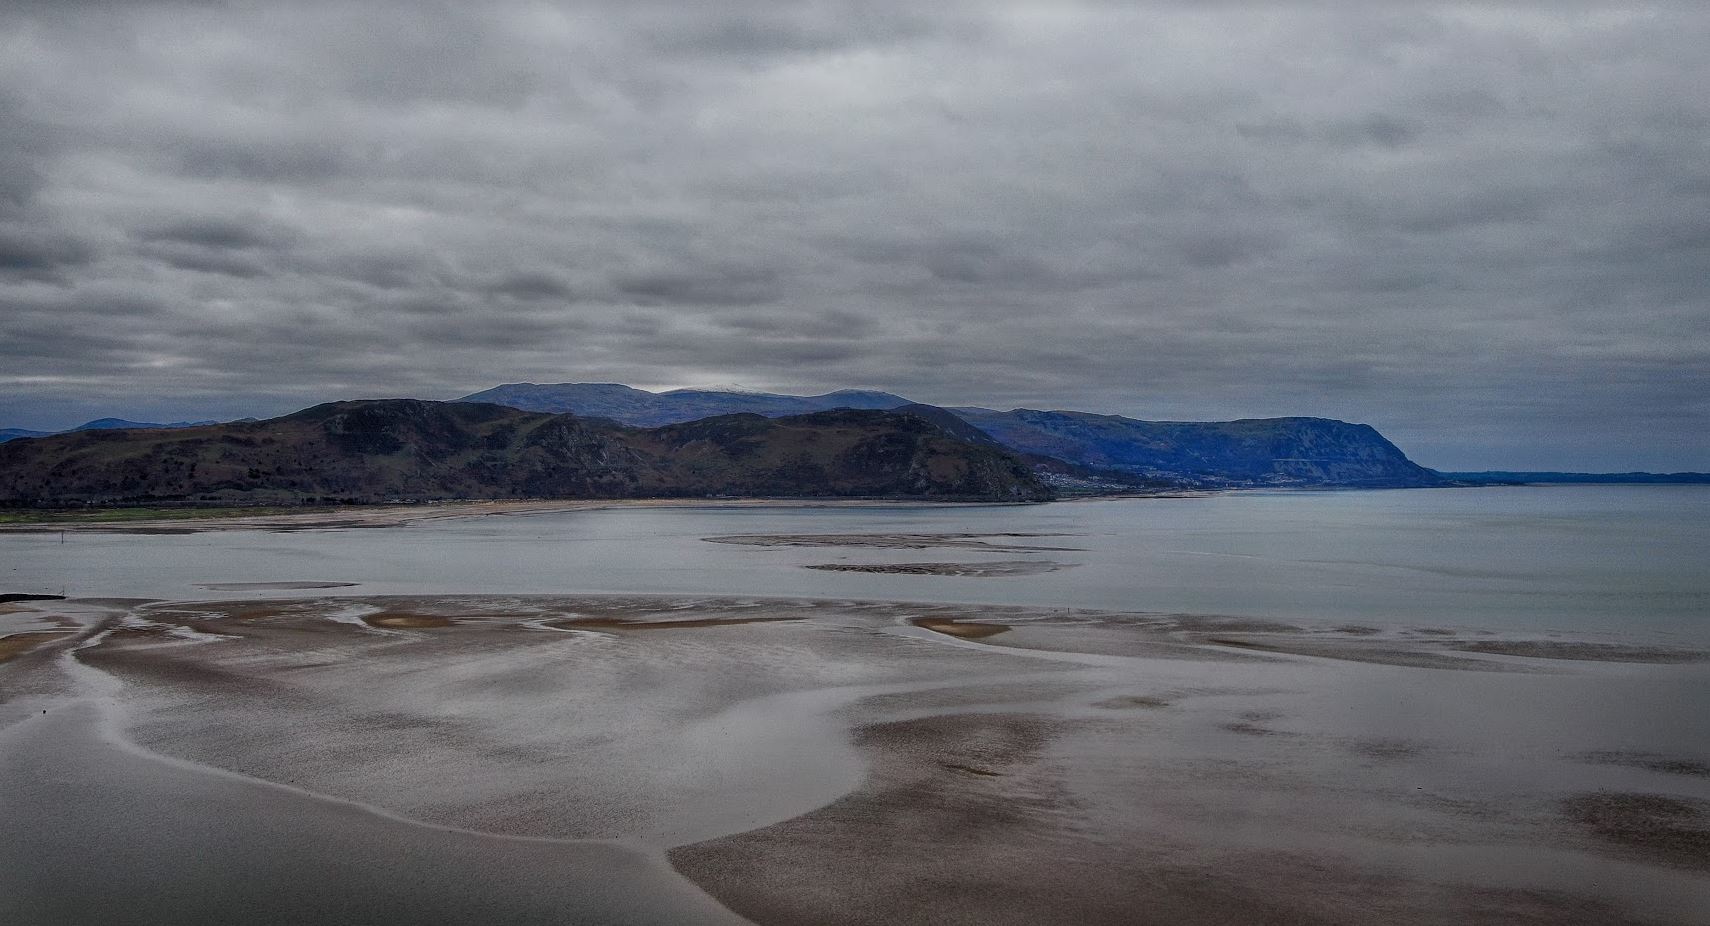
{"points": [[413, 450]]}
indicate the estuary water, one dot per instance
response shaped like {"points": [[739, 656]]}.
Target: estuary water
{"points": [[1630, 561], [464, 754]]}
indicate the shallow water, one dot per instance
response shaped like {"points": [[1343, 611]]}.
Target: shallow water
{"points": [[1625, 560], [100, 834], [307, 761]]}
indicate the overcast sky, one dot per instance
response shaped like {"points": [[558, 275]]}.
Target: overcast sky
{"points": [[1484, 230]]}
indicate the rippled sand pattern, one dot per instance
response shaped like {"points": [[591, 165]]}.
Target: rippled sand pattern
{"points": [[780, 761]]}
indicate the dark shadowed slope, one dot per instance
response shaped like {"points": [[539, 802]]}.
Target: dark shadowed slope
{"points": [[378, 450], [1303, 452], [648, 409]]}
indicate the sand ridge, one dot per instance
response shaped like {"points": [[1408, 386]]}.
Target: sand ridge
{"points": [[849, 762], [17, 644], [1004, 542], [1022, 567]]}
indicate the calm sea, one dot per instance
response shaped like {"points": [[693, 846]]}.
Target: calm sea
{"points": [[1621, 560]]}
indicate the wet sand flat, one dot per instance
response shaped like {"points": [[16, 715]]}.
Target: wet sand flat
{"points": [[1023, 567], [98, 834], [960, 629], [1583, 652], [273, 586], [1008, 542], [16, 644], [803, 761]]}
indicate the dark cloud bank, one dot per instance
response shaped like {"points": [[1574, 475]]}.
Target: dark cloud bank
{"points": [[1485, 230]]}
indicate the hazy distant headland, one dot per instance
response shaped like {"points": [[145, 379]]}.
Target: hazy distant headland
{"points": [[606, 440]]}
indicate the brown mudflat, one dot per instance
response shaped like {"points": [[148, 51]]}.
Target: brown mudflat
{"points": [[1673, 830], [407, 621], [961, 629], [617, 623], [1359, 649], [17, 644], [272, 586], [965, 820], [1131, 702], [853, 762], [1025, 567], [1584, 652], [1005, 542]]}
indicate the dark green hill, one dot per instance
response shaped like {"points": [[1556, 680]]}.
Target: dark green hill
{"points": [[409, 449]]}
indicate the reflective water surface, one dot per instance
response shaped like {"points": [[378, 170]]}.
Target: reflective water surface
{"points": [[1464, 706], [1629, 560]]}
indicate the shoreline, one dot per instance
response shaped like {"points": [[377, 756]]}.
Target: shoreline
{"points": [[197, 520], [193, 519]]}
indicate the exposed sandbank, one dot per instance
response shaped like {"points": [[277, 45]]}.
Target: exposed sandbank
{"points": [[17, 644], [687, 623], [1582, 651], [961, 629], [866, 762], [1008, 542], [1019, 567], [272, 586]]}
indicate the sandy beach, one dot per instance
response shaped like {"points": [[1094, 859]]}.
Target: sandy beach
{"points": [[809, 761]]}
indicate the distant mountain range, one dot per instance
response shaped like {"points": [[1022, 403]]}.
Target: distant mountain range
{"points": [[101, 424], [510, 441], [415, 450], [1076, 450], [644, 409]]}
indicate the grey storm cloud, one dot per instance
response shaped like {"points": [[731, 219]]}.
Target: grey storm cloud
{"points": [[1483, 229]]}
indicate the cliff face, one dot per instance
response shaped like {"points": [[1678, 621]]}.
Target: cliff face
{"points": [[1300, 452], [370, 451]]}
